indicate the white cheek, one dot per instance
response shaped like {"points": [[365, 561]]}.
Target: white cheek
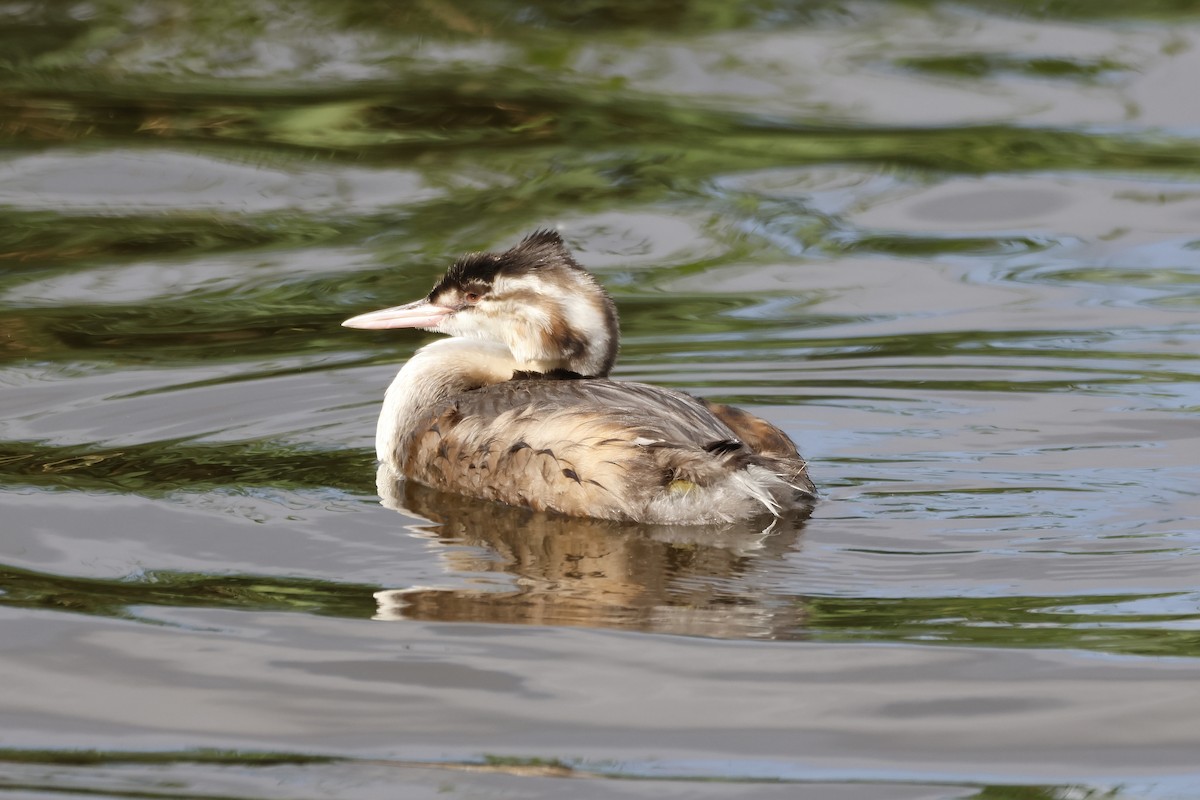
{"points": [[466, 324], [534, 317], [526, 333]]}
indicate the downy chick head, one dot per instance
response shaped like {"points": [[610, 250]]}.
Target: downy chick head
{"points": [[533, 298]]}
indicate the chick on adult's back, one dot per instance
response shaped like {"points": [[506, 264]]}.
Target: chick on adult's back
{"points": [[516, 407]]}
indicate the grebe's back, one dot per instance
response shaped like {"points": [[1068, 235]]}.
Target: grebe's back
{"points": [[600, 448]]}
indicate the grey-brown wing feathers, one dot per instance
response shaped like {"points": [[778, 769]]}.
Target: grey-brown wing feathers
{"points": [[600, 448]]}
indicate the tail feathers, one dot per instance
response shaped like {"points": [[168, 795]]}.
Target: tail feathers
{"points": [[723, 481], [755, 482]]}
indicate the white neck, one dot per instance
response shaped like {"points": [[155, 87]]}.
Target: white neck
{"points": [[437, 371]]}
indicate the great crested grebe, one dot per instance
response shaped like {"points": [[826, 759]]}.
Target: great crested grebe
{"points": [[517, 407]]}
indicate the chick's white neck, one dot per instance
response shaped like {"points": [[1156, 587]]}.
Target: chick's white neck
{"points": [[437, 371]]}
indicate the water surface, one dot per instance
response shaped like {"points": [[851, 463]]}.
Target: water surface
{"points": [[951, 249]]}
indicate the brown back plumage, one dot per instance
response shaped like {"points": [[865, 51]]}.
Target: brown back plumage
{"points": [[591, 447]]}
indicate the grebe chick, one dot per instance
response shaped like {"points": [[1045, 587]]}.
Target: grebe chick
{"points": [[517, 407]]}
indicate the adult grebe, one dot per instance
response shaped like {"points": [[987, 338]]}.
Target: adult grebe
{"points": [[517, 406]]}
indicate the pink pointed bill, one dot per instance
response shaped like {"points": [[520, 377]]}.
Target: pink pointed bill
{"points": [[421, 314]]}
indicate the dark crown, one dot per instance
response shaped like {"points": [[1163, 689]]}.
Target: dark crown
{"points": [[538, 250]]}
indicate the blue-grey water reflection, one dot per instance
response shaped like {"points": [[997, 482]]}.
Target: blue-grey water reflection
{"points": [[952, 249]]}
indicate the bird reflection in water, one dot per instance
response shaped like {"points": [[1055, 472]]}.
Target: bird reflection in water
{"points": [[681, 579]]}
